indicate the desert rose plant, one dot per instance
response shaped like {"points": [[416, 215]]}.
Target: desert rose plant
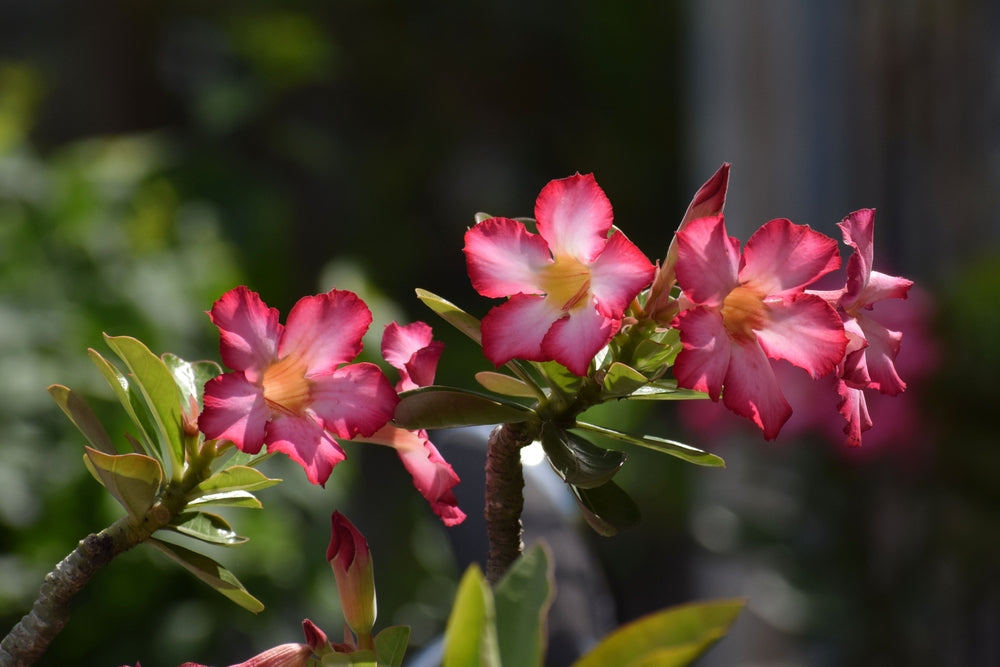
{"points": [[582, 317]]}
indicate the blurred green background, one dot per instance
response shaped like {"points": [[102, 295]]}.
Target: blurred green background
{"points": [[154, 154]]}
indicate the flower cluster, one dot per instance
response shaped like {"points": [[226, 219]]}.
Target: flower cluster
{"points": [[577, 285]]}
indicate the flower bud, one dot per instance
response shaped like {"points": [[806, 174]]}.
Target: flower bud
{"points": [[352, 566]]}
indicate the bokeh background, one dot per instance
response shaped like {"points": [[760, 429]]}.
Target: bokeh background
{"points": [[154, 154]]}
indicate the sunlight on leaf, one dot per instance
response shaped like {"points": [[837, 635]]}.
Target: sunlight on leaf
{"points": [[470, 637], [452, 314], [446, 407], [211, 572]]}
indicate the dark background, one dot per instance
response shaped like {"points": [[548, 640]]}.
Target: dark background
{"points": [[154, 154]]}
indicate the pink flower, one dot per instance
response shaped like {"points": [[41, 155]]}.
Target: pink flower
{"points": [[287, 655], [744, 310], [411, 351], [869, 361], [290, 388], [569, 285], [351, 562]]}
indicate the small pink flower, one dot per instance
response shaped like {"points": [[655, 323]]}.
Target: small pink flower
{"points": [[569, 285], [411, 351], [745, 309], [292, 387], [869, 361], [352, 567]]}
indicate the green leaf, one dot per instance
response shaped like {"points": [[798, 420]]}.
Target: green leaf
{"points": [[206, 527], [390, 645], [362, 658], [83, 417], [607, 508], [227, 499], [665, 390], [670, 638], [657, 351], [622, 380], [160, 392], [578, 461], [470, 637], [191, 377], [522, 598], [130, 400], [133, 479], [452, 314], [560, 378], [447, 407], [211, 573], [672, 447], [504, 384], [234, 478]]}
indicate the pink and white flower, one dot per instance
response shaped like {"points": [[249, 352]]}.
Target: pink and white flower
{"points": [[568, 285], [742, 310], [869, 361], [291, 387], [411, 350]]}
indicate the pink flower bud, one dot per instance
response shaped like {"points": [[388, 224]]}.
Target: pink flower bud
{"points": [[352, 566]]}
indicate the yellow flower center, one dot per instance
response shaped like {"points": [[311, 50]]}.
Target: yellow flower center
{"points": [[743, 311], [567, 282], [286, 387]]}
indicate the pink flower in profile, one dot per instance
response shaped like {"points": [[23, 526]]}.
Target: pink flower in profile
{"points": [[411, 351], [292, 387], [569, 284], [742, 310], [287, 655], [869, 361]]}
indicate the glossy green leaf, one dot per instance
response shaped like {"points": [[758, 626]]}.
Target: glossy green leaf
{"points": [[83, 417], [670, 638], [657, 351], [672, 447], [234, 478], [133, 479], [206, 527], [622, 380], [470, 637], [559, 377], [578, 461], [522, 598], [191, 376], [131, 401], [390, 645], [452, 314], [505, 385], [447, 407], [156, 383], [227, 499], [665, 390], [210, 572], [607, 508]]}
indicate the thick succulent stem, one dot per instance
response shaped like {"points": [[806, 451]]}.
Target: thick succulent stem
{"points": [[29, 639], [504, 497]]}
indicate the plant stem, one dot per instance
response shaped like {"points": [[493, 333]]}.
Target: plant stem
{"points": [[30, 638], [504, 497]]}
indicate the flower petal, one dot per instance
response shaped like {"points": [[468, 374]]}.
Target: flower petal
{"points": [[704, 359], [504, 258], [707, 261], [618, 275], [325, 330], [306, 442], [573, 341], [806, 331], [515, 329], [880, 355], [234, 410], [751, 390], [432, 476], [411, 350], [354, 399], [574, 216], [781, 257], [854, 408], [248, 329]]}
